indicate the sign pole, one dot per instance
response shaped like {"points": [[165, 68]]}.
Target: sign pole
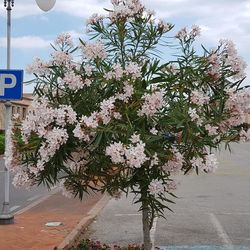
{"points": [[6, 217]]}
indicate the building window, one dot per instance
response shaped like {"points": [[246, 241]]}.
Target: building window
{"points": [[13, 110], [24, 113]]}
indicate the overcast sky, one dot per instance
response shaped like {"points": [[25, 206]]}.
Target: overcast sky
{"points": [[33, 30]]}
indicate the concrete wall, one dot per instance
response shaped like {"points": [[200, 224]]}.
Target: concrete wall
{"points": [[248, 119]]}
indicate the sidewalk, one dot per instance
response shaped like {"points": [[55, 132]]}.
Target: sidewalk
{"points": [[29, 231]]}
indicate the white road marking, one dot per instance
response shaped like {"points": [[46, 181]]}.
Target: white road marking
{"points": [[14, 208], [127, 214], [236, 213], [152, 232], [34, 197], [221, 232]]}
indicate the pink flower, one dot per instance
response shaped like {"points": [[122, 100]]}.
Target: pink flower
{"points": [[195, 31], [172, 185], [61, 58], [194, 116], [156, 187], [132, 155], [73, 81], [38, 67], [133, 69], [125, 9], [212, 130], [154, 161], [116, 151], [236, 106], [91, 121], [95, 18], [245, 135], [152, 103], [64, 39], [153, 131], [198, 97], [94, 50], [88, 70], [128, 91], [174, 165], [79, 133], [165, 27], [135, 138], [182, 34], [232, 59]]}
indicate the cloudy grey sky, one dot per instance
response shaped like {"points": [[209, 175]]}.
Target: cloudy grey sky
{"points": [[33, 30]]}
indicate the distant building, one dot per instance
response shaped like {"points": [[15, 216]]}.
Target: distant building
{"points": [[18, 107]]}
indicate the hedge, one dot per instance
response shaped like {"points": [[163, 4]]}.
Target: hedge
{"points": [[1, 144]]}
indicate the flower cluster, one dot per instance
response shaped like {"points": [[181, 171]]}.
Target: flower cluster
{"points": [[60, 58], [64, 39], [125, 9], [152, 103], [156, 187], [232, 59], [194, 116], [41, 115], [53, 141], [175, 163], [236, 106], [209, 163], [132, 69], [94, 50], [184, 34], [132, 155], [226, 56], [95, 18], [73, 81], [38, 67], [199, 98]]}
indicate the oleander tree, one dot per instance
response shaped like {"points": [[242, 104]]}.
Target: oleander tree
{"points": [[113, 114]]}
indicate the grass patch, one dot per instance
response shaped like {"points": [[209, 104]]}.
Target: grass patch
{"points": [[2, 138]]}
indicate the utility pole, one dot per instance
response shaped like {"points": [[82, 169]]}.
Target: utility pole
{"points": [[6, 217]]}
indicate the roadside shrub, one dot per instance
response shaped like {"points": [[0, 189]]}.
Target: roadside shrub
{"points": [[2, 138], [97, 245]]}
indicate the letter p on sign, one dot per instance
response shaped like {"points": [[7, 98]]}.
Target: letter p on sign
{"points": [[11, 84]]}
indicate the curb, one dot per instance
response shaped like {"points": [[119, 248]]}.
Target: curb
{"points": [[74, 236]]}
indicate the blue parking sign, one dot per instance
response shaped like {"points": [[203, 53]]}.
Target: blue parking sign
{"points": [[11, 84]]}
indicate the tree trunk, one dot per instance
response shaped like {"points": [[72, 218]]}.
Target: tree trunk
{"points": [[146, 228]]}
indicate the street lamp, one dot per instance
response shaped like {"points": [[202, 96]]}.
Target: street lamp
{"points": [[6, 217], [45, 5]]}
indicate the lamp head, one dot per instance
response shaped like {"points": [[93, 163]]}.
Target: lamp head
{"points": [[45, 5]]}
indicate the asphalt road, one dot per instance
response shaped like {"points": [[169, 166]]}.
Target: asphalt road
{"points": [[212, 211], [19, 198]]}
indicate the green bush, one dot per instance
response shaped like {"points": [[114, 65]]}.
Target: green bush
{"points": [[1, 144]]}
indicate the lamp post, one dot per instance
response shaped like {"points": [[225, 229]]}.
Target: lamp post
{"points": [[6, 217]]}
